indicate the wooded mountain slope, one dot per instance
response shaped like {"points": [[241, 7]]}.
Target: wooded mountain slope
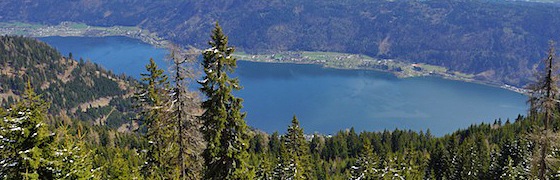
{"points": [[495, 40], [81, 90]]}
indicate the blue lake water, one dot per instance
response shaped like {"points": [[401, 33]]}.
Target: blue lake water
{"points": [[117, 53], [327, 100]]}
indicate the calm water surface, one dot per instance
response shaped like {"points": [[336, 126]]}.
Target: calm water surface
{"points": [[117, 53], [327, 100]]}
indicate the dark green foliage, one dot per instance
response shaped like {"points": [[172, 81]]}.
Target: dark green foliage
{"points": [[119, 159], [224, 126], [265, 168], [73, 159], [366, 164], [512, 161], [274, 144], [439, 163], [478, 152], [25, 148], [257, 144], [286, 165], [152, 101], [295, 152]]}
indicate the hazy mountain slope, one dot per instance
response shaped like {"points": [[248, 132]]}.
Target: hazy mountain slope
{"points": [[493, 39], [81, 90]]}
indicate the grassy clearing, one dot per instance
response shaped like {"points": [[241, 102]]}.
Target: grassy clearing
{"points": [[78, 26]]}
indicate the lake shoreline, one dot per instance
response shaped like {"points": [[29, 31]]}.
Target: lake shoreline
{"points": [[404, 76], [72, 29], [385, 101], [326, 99], [398, 68]]}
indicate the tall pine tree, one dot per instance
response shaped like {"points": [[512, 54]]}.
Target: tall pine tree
{"points": [[224, 126]]}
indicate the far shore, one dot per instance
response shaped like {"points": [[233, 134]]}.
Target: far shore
{"points": [[326, 59]]}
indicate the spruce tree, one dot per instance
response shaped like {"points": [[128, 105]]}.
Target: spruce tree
{"points": [[512, 171], [25, 146], [73, 159], [274, 144], [438, 165], [468, 163], [510, 150], [224, 126], [286, 166], [153, 102], [120, 169], [298, 149], [265, 170], [414, 162], [366, 164], [390, 167]]}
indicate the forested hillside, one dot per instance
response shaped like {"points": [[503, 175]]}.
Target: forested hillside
{"points": [[81, 90], [175, 141], [495, 40]]}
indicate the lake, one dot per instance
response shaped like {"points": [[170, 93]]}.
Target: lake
{"points": [[327, 100], [117, 53]]}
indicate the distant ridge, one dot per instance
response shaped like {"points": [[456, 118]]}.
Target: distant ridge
{"points": [[499, 41]]}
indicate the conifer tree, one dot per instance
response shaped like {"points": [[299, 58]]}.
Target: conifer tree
{"points": [[438, 165], [121, 170], [73, 159], [286, 166], [390, 168], [414, 163], [319, 169], [366, 165], [298, 149], [25, 146], [265, 170], [224, 126], [452, 156], [182, 107], [544, 104], [512, 171], [152, 100], [274, 144], [511, 150], [468, 162]]}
